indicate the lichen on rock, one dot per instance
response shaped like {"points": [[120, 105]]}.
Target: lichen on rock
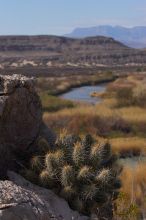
{"points": [[21, 200], [21, 112]]}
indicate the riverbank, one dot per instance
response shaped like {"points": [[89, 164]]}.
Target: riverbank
{"points": [[110, 119], [82, 94], [50, 88], [90, 82], [117, 119], [64, 83]]}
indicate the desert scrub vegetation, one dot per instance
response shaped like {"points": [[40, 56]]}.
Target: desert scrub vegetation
{"points": [[52, 103], [129, 91], [124, 119], [88, 119], [81, 170], [49, 87], [125, 209], [129, 146], [125, 122], [131, 201], [127, 96], [121, 117], [60, 84]]}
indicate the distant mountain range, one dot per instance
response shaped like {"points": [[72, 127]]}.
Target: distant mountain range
{"points": [[134, 37]]}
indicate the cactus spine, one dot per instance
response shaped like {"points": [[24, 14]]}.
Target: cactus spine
{"points": [[82, 172]]}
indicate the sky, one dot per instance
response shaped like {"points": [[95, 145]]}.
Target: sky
{"points": [[58, 17]]}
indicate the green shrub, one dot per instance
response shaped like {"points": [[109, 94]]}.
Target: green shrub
{"points": [[124, 96], [52, 103], [126, 210], [139, 95], [127, 96]]}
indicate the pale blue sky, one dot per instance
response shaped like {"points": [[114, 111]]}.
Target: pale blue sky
{"points": [[61, 16]]}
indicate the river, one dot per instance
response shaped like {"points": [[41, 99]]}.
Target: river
{"points": [[83, 93]]}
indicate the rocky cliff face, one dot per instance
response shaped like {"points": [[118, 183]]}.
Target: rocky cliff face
{"points": [[47, 51]]}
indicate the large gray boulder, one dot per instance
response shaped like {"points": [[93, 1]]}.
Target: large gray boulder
{"points": [[21, 126], [21, 122], [20, 111], [21, 200]]}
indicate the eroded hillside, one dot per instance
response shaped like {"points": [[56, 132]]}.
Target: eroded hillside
{"points": [[48, 51]]}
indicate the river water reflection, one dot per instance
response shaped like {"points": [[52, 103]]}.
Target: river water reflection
{"points": [[83, 93]]}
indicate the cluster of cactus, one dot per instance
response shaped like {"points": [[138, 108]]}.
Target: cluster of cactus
{"points": [[82, 171]]}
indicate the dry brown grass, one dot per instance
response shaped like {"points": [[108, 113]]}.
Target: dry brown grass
{"points": [[134, 183], [129, 90], [125, 127], [97, 120], [134, 117], [59, 84], [133, 114], [131, 203], [131, 146]]}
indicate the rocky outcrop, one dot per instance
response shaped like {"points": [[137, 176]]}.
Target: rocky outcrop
{"points": [[20, 113], [20, 118], [21, 200], [21, 126]]}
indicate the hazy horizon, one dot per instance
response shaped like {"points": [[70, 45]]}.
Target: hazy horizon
{"points": [[50, 17], [66, 34]]}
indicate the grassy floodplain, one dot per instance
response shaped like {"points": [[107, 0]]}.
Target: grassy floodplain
{"points": [[120, 118], [49, 87]]}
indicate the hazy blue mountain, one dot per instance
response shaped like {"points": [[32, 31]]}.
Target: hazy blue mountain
{"points": [[133, 37]]}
